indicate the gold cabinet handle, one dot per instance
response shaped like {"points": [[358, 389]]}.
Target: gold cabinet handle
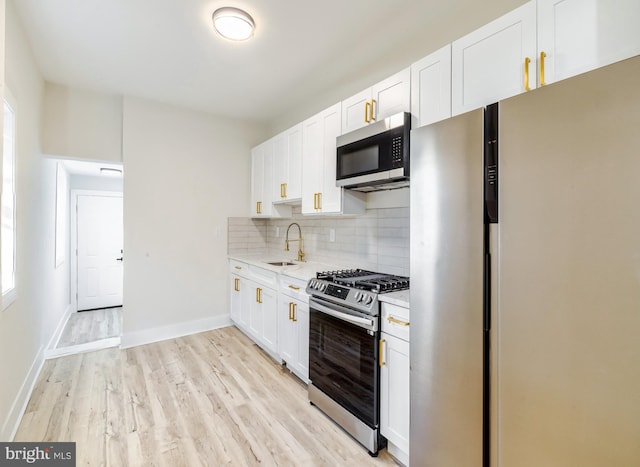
{"points": [[319, 201], [293, 287], [367, 111], [236, 285], [372, 115], [293, 311], [284, 190], [290, 311], [527, 61], [258, 295], [381, 351], [315, 201], [393, 320], [259, 207], [237, 267], [542, 57]]}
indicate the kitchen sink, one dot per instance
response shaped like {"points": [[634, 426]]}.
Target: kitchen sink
{"points": [[281, 263]]}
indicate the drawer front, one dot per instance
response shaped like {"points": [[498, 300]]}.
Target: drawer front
{"points": [[395, 321], [264, 276], [294, 288], [239, 268]]}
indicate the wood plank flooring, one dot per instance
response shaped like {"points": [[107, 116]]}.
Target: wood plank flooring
{"points": [[208, 399], [90, 326]]}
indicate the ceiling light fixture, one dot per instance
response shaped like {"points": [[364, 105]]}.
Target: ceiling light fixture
{"points": [[233, 23]]}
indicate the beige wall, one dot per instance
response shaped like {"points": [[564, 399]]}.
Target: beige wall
{"points": [[398, 55], [42, 290], [185, 173], [81, 124]]}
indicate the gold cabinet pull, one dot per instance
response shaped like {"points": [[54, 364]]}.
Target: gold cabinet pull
{"points": [[259, 207], [236, 285], [290, 312], [293, 312], [393, 320], [527, 61], [319, 201], [372, 114], [381, 353], [293, 287], [542, 57], [284, 190], [258, 295], [315, 201], [237, 267], [367, 111]]}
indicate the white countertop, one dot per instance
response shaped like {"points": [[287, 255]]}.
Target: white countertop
{"points": [[303, 270], [400, 298]]}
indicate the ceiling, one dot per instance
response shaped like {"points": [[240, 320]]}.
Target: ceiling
{"points": [[167, 50]]}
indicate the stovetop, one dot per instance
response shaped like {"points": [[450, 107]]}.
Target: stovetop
{"points": [[355, 288], [366, 280]]}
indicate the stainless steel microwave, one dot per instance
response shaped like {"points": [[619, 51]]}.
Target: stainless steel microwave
{"points": [[375, 157]]}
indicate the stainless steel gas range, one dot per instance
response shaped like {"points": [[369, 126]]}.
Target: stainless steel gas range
{"points": [[344, 340]]}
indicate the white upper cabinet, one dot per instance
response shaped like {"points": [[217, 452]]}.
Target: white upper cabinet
{"points": [[288, 165], [576, 36], [388, 97], [431, 88], [262, 179], [320, 195], [495, 62]]}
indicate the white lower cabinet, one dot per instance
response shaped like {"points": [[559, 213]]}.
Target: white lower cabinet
{"points": [[254, 304], [394, 380], [293, 322]]}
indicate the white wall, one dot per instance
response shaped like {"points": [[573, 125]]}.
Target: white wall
{"points": [[398, 55], [42, 290], [185, 172], [82, 124]]}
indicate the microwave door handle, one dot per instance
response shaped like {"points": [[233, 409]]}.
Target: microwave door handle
{"points": [[360, 322]]}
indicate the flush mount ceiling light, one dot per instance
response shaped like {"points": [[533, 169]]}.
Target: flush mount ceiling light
{"points": [[233, 23]]}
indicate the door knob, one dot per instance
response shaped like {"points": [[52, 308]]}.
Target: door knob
{"points": [[119, 259]]}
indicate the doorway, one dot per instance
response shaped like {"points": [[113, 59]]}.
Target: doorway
{"points": [[96, 254]]}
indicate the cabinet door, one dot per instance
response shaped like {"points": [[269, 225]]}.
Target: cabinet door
{"points": [[330, 199], [355, 111], [269, 319], [257, 179], [301, 315], [431, 88], [293, 189], [280, 167], [392, 95], [287, 345], [262, 179], [235, 310], [581, 35], [312, 165], [256, 312], [489, 64], [394, 391]]}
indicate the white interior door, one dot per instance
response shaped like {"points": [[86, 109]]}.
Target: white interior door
{"points": [[100, 247]]}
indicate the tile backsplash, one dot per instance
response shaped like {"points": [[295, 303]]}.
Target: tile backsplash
{"points": [[377, 240]]}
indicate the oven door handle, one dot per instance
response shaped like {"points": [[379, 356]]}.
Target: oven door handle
{"points": [[356, 320]]}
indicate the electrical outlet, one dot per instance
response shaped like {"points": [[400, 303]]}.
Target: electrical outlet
{"points": [[332, 235]]}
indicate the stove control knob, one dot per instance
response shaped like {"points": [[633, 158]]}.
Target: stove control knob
{"points": [[323, 287], [312, 284], [368, 300], [357, 296]]}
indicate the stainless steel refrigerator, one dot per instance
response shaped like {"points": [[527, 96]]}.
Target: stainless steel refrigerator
{"points": [[525, 279]]}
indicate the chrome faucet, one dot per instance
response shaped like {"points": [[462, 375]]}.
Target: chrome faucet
{"points": [[299, 240]]}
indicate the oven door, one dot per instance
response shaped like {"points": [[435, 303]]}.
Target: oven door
{"points": [[343, 358]]}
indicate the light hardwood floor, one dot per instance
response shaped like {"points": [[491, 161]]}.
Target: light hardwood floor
{"points": [[208, 399], [90, 326]]}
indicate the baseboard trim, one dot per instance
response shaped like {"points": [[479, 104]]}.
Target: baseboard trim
{"points": [[80, 348], [57, 334], [149, 336], [14, 417]]}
